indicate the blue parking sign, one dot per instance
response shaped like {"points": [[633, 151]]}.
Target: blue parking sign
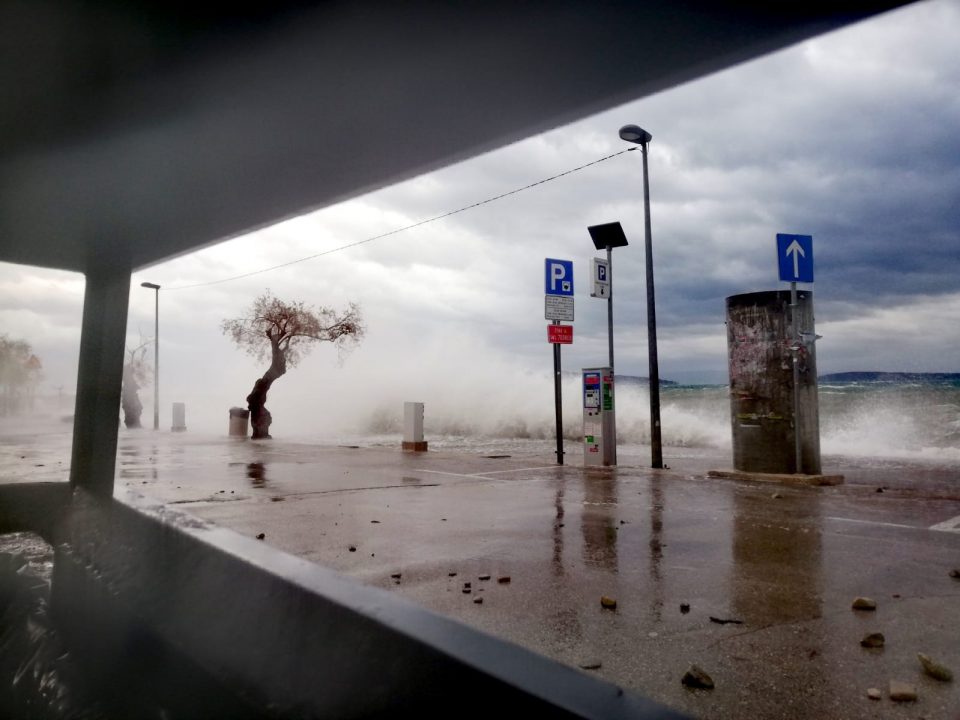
{"points": [[559, 277]]}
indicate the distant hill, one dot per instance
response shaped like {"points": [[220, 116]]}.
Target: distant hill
{"points": [[890, 377]]}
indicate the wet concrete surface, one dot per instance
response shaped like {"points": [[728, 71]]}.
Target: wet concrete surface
{"points": [[784, 563]]}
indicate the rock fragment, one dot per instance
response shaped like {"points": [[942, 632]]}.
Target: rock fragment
{"points": [[684, 608], [697, 677], [902, 692], [955, 573], [776, 496], [608, 603], [864, 603], [396, 576], [874, 694], [478, 601], [485, 576], [352, 548], [451, 574], [591, 665], [503, 579], [260, 536], [873, 640], [936, 670]]}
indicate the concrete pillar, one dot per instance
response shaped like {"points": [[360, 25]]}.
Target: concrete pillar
{"points": [[99, 377], [179, 417], [759, 341], [413, 427], [239, 418]]}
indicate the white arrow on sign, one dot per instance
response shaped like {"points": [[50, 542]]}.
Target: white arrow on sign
{"points": [[797, 251]]}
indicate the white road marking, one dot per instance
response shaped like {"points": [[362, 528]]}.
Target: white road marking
{"points": [[874, 522], [444, 472], [484, 474], [951, 525], [542, 467]]}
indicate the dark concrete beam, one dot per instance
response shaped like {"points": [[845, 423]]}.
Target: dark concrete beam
{"points": [[99, 376]]}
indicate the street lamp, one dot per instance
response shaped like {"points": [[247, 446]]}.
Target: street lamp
{"points": [[634, 134], [156, 352]]}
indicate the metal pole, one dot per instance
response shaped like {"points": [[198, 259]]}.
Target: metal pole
{"points": [[156, 359], [656, 446], [610, 306], [795, 331], [558, 399]]}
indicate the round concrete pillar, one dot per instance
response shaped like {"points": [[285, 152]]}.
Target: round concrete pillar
{"points": [[759, 342]]}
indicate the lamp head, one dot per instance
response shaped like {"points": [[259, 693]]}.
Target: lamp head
{"points": [[635, 134], [152, 286]]}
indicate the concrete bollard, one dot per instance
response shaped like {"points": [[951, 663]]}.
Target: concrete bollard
{"points": [[760, 341], [238, 422], [413, 427], [179, 417]]}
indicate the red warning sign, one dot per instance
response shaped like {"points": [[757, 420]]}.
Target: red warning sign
{"points": [[560, 334]]}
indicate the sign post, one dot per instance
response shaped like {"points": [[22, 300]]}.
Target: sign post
{"points": [[607, 236], [558, 305], [795, 263]]}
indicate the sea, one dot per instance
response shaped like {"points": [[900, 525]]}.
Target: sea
{"points": [[912, 418]]}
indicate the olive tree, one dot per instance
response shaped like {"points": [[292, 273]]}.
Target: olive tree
{"points": [[283, 333], [20, 374], [136, 373]]}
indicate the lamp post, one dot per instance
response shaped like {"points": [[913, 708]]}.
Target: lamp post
{"points": [[156, 352], [634, 134]]}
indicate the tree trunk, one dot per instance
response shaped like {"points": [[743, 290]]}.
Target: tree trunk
{"points": [[130, 400], [260, 418]]}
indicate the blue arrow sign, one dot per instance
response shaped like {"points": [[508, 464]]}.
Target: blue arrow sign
{"points": [[795, 257], [559, 274]]}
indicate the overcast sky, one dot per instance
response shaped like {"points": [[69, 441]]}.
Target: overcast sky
{"points": [[851, 138]]}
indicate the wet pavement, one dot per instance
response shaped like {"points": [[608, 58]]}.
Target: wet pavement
{"points": [[778, 566]]}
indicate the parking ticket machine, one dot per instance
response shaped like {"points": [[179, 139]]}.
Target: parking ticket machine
{"points": [[599, 423]]}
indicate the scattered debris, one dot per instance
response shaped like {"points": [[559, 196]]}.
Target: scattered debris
{"points": [[276, 498], [896, 595], [696, 677], [937, 671], [467, 591], [653, 634], [880, 490], [864, 603], [467, 585], [874, 694], [873, 640], [478, 601], [725, 621], [503, 579], [451, 574], [260, 536], [485, 576], [955, 573], [902, 692], [684, 608], [396, 576], [623, 522], [776, 496], [591, 665], [352, 548], [608, 602], [374, 522]]}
